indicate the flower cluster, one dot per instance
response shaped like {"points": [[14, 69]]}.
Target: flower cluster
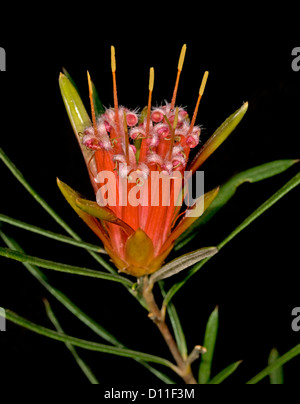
{"points": [[135, 147], [163, 146]]}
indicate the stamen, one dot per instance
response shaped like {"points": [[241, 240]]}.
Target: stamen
{"points": [[113, 70], [173, 132], [180, 64], [92, 104], [151, 79], [203, 84], [113, 59], [126, 138], [151, 85], [201, 91]]}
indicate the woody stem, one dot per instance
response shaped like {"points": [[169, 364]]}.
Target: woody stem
{"points": [[156, 315]]}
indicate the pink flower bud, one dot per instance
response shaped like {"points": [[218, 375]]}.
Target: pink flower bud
{"points": [[132, 119], [192, 141], [162, 130], [157, 116], [91, 142]]}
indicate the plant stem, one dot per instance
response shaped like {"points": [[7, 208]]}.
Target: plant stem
{"points": [[158, 317]]}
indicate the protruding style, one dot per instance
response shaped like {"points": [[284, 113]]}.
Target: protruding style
{"points": [[201, 92], [113, 70], [151, 85], [180, 65], [92, 103]]}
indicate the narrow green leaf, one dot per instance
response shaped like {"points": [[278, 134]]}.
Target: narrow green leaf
{"points": [[78, 116], [225, 373], [219, 136], [276, 365], [67, 74], [83, 317], [228, 190], [289, 186], [63, 299], [83, 366], [276, 377], [210, 338], [181, 263], [55, 266], [89, 345], [176, 325], [49, 234], [19, 176]]}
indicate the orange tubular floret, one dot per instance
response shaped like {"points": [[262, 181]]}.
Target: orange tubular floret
{"points": [[155, 228]]}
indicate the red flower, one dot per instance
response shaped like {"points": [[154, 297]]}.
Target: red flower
{"points": [[125, 153]]}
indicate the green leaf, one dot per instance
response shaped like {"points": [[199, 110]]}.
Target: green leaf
{"points": [[219, 136], [176, 325], [225, 373], [289, 186], [55, 266], [277, 364], [210, 338], [83, 366], [228, 190], [66, 73], [78, 116], [19, 176], [51, 235], [63, 299], [89, 345], [181, 263], [276, 377], [83, 317]]}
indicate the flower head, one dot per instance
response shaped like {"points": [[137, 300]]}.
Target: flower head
{"points": [[136, 164]]}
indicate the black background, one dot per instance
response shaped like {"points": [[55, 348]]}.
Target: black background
{"points": [[254, 280]]}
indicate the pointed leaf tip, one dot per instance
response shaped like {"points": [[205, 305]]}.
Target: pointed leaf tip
{"points": [[218, 137], [102, 213], [78, 116], [210, 339]]}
